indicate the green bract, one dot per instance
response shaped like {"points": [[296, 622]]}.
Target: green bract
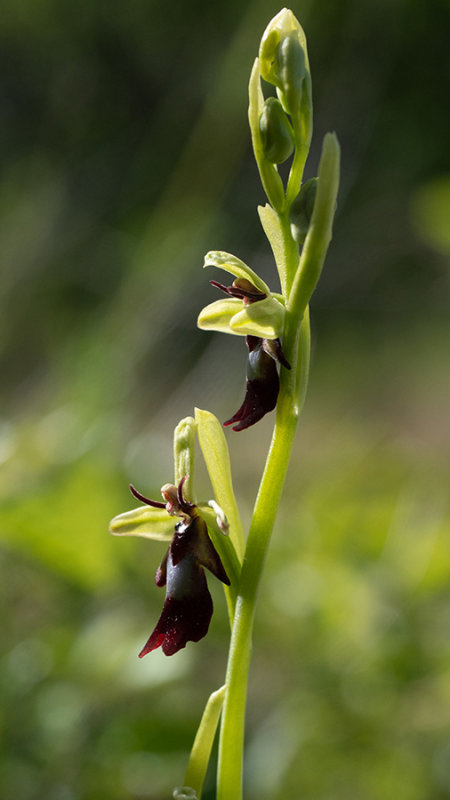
{"points": [[302, 209]]}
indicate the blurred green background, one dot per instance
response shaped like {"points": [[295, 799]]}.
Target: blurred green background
{"points": [[125, 157]]}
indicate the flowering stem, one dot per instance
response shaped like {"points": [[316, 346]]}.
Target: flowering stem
{"points": [[296, 343], [232, 729]]}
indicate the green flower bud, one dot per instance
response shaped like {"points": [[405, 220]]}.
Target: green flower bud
{"points": [[291, 69], [283, 62], [281, 26], [302, 209], [276, 133]]}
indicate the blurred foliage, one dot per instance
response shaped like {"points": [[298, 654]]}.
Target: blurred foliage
{"points": [[125, 157]]}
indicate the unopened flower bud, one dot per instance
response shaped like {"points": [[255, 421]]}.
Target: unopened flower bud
{"points": [[291, 69], [276, 132], [302, 209], [283, 62]]}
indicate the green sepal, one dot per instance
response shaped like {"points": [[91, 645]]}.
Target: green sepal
{"points": [[264, 319], [215, 452], [184, 455], [147, 522], [273, 230], [217, 316], [234, 265]]}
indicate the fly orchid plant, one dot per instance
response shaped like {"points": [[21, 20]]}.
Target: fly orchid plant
{"points": [[297, 221]]}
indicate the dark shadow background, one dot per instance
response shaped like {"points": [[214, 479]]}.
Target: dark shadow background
{"points": [[125, 156]]}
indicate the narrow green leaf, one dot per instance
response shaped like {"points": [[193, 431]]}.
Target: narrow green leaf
{"points": [[203, 742], [215, 452], [150, 523]]}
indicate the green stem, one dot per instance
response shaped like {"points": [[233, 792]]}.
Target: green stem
{"points": [[300, 156], [232, 729], [296, 344]]}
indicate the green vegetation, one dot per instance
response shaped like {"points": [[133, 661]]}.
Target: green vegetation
{"points": [[111, 189]]}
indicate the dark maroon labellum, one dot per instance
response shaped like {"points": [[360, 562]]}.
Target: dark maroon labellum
{"points": [[188, 606], [263, 383]]}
